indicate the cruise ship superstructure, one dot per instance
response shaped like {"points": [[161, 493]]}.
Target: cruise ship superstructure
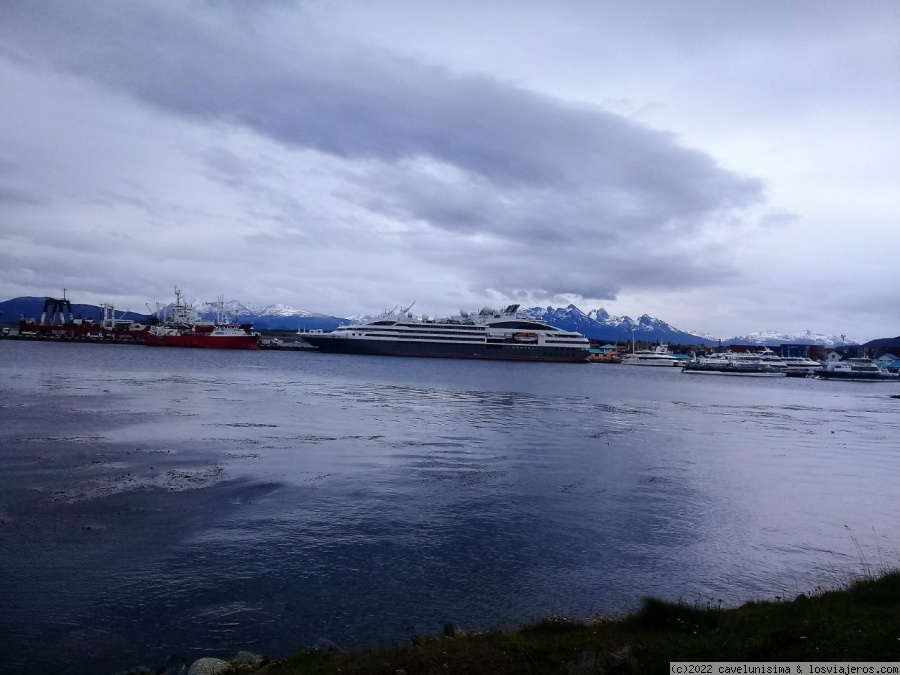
{"points": [[489, 334]]}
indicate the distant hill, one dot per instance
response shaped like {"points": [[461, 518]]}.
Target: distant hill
{"points": [[884, 343]]}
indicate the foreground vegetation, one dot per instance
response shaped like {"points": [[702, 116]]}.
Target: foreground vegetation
{"points": [[860, 622]]}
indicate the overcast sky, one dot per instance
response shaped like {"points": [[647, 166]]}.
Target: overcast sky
{"points": [[727, 167]]}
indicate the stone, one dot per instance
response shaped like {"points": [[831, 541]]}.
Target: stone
{"points": [[208, 666], [327, 646], [588, 663], [248, 661], [623, 661], [174, 665], [452, 630]]}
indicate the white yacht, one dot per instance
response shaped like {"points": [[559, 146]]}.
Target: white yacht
{"points": [[660, 356], [489, 334]]}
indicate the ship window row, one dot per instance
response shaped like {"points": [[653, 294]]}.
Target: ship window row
{"points": [[408, 337], [400, 330], [524, 325], [442, 338], [442, 331]]}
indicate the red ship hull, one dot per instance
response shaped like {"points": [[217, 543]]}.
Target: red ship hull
{"points": [[203, 341]]}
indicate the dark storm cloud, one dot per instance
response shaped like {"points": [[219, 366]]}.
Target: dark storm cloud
{"points": [[464, 155]]}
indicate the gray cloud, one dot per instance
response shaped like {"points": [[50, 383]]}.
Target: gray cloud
{"points": [[515, 191], [12, 193]]}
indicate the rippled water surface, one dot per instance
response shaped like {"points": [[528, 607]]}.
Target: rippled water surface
{"points": [[157, 501]]}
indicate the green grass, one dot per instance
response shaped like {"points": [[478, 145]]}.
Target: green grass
{"points": [[859, 622]]}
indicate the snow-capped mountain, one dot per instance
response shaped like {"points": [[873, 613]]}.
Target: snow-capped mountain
{"points": [[600, 325], [269, 317], [233, 308], [772, 338]]}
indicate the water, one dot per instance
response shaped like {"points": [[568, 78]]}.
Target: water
{"points": [[157, 501]]}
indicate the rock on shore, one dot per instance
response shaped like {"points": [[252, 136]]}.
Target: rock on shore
{"points": [[242, 662]]}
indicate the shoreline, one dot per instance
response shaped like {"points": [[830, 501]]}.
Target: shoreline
{"points": [[857, 622]]}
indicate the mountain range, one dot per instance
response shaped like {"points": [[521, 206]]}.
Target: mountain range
{"points": [[596, 324]]}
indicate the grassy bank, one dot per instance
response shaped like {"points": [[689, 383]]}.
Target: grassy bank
{"points": [[858, 623]]}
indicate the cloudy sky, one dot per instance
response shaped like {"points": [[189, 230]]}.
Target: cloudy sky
{"points": [[727, 167]]}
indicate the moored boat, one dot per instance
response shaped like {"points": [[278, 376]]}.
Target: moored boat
{"points": [[733, 363], [801, 366], [660, 356], [489, 334], [181, 326], [771, 359], [856, 370]]}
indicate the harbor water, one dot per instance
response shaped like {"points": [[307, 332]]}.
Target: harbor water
{"points": [[199, 502]]}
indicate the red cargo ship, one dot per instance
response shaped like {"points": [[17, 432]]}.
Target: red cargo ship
{"points": [[181, 326]]}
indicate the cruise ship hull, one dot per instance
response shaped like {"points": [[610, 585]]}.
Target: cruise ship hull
{"points": [[506, 351]]}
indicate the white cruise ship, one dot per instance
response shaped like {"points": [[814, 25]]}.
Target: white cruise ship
{"points": [[489, 334]]}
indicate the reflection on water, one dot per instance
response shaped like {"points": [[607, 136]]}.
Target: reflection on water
{"points": [[157, 501]]}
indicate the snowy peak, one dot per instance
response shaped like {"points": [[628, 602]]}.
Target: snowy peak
{"points": [[600, 325], [234, 308], [807, 337]]}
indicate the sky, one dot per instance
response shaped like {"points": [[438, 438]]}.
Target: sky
{"points": [[728, 167]]}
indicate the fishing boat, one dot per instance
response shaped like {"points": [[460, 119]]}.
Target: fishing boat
{"points": [[489, 334], [181, 326]]}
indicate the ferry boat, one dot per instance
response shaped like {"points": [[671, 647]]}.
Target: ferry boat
{"points": [[733, 363], [489, 334], [770, 358], [856, 370], [801, 366], [660, 356], [181, 326]]}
